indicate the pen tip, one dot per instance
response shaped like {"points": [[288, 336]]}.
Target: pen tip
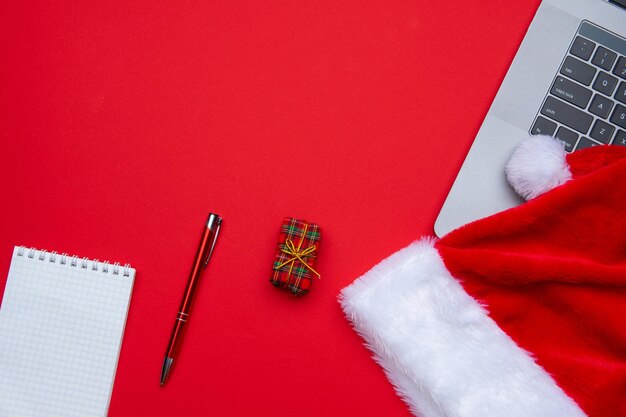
{"points": [[167, 364]]}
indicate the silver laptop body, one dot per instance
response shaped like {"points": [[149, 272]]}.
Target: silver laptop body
{"points": [[543, 93]]}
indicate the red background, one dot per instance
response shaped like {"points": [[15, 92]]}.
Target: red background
{"points": [[122, 124]]}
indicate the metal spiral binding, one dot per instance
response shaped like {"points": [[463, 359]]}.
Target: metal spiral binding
{"points": [[74, 261]]}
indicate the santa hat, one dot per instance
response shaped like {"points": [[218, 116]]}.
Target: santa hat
{"points": [[516, 315]]}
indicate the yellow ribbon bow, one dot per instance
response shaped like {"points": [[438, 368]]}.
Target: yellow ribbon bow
{"points": [[297, 253]]}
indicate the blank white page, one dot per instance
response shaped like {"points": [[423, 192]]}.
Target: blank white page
{"points": [[61, 325]]}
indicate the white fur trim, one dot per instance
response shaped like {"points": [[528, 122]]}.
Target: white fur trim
{"points": [[537, 166], [442, 352]]}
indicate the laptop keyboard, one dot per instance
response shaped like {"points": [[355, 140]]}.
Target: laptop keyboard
{"points": [[586, 104]]}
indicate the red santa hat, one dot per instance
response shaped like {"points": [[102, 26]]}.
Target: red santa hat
{"points": [[521, 314]]}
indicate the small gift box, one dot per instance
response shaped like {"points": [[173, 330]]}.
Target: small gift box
{"points": [[295, 259]]}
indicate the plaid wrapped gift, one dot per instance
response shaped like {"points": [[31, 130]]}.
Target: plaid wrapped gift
{"points": [[295, 259]]}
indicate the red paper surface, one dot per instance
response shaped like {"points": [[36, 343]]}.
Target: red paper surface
{"points": [[122, 124]]}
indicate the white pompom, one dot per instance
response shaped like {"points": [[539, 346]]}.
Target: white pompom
{"points": [[537, 166]]}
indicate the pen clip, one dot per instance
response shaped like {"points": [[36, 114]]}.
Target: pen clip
{"points": [[213, 222]]}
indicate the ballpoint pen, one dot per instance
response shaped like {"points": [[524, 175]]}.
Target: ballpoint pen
{"points": [[207, 243]]}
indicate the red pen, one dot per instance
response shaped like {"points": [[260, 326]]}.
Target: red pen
{"points": [[207, 243]]}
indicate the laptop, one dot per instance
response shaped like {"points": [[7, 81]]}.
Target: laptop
{"points": [[567, 80]]}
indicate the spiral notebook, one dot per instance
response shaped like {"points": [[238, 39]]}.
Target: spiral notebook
{"points": [[62, 320]]}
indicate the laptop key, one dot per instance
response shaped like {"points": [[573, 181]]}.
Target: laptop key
{"points": [[578, 70], [570, 91], [620, 138], [601, 106], [621, 92], [582, 48], [605, 83], [585, 143], [619, 116], [620, 67], [565, 114], [604, 58], [567, 137], [602, 131], [543, 126]]}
